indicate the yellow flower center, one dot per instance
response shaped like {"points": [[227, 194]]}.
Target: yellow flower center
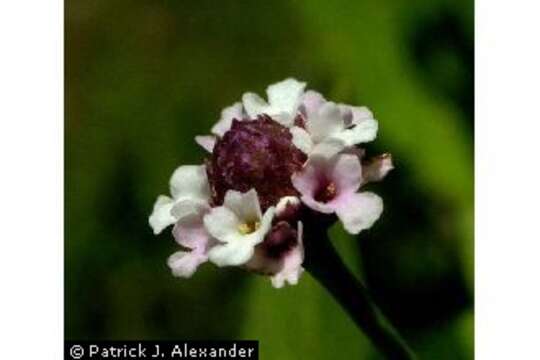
{"points": [[249, 227]]}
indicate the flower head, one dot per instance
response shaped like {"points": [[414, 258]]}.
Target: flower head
{"points": [[273, 167]]}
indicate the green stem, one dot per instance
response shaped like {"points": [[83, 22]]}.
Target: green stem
{"points": [[324, 264]]}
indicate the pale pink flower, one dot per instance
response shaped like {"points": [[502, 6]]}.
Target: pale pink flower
{"points": [[330, 184], [190, 233]]}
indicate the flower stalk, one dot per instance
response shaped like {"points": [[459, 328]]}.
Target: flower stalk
{"points": [[324, 264]]}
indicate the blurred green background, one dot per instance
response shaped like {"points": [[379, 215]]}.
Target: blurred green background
{"points": [[144, 77]]}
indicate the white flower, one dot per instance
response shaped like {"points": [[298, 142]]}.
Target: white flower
{"points": [[239, 226], [283, 100], [188, 182], [327, 121]]}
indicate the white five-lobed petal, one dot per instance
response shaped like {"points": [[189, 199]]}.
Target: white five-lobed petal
{"points": [[283, 100], [188, 182], [239, 226]]}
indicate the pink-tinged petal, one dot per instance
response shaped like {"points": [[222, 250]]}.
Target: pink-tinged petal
{"points": [[311, 103], [235, 111], [377, 168], [185, 263], [354, 114], [307, 180], [353, 150], [325, 208], [360, 113], [359, 211], [189, 230], [346, 173], [207, 142], [328, 148], [325, 123], [322, 182], [292, 263]]}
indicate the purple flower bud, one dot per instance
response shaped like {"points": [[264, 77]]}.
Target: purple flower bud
{"points": [[255, 154], [281, 238]]}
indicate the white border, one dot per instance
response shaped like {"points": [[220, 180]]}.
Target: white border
{"points": [[507, 180], [31, 175]]}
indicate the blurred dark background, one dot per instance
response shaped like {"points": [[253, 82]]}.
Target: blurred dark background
{"points": [[144, 77]]}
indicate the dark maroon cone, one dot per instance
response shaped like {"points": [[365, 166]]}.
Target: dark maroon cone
{"points": [[255, 154]]}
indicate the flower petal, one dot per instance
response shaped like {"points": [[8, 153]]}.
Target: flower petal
{"points": [[254, 104], [265, 225], [308, 182], [190, 182], [354, 114], [189, 230], [364, 131], [328, 148], [233, 253], [359, 211], [185, 263], [283, 101], [244, 205], [325, 123], [311, 103], [235, 111], [292, 264], [301, 139], [285, 96], [161, 215], [207, 142], [377, 168], [360, 113], [347, 173], [222, 224]]}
